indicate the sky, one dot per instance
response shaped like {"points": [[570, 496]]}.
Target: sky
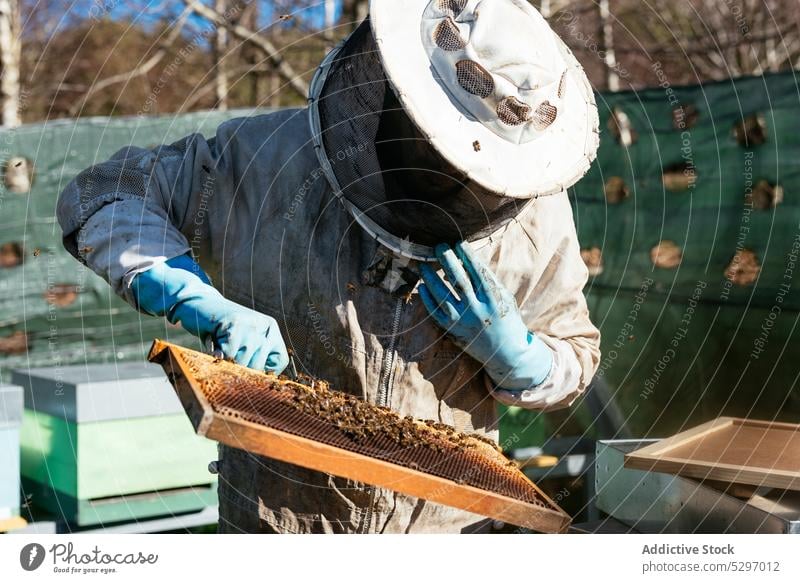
{"points": [[155, 9]]}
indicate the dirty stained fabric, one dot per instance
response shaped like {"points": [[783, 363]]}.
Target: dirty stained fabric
{"points": [[255, 209]]}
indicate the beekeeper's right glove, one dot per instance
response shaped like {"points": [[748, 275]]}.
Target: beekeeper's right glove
{"points": [[483, 319], [181, 291]]}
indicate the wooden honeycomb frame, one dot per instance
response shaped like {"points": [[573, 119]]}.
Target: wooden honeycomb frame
{"points": [[191, 373]]}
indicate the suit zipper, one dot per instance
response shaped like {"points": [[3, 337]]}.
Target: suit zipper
{"points": [[383, 398]]}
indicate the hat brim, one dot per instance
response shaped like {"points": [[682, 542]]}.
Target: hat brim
{"points": [[547, 165]]}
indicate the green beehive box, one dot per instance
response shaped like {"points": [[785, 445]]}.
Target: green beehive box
{"points": [[108, 443]]}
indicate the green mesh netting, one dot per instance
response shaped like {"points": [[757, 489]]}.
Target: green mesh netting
{"points": [[690, 220], [58, 308]]}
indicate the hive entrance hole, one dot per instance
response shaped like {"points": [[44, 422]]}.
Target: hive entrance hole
{"points": [[18, 175], [11, 255], [751, 131], [679, 177]]}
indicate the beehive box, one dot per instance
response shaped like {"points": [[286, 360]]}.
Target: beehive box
{"points": [[10, 420], [108, 443]]}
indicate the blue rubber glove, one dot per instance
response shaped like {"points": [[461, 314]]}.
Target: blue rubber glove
{"points": [[181, 291], [483, 320]]}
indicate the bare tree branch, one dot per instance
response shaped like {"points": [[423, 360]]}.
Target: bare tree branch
{"points": [[138, 71], [283, 68], [198, 94]]}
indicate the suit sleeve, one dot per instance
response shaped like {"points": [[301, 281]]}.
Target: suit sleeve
{"points": [[554, 308], [126, 215]]}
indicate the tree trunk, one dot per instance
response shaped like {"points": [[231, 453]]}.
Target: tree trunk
{"points": [[285, 70], [607, 42], [546, 9], [330, 13], [220, 48], [274, 89], [10, 54], [354, 11], [251, 54]]}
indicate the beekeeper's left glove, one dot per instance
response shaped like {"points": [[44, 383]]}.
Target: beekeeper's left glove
{"points": [[483, 320]]}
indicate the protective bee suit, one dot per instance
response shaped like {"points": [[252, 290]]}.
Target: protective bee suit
{"points": [[421, 131]]}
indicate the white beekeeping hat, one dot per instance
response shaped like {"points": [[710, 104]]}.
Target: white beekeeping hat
{"points": [[494, 89], [438, 120]]}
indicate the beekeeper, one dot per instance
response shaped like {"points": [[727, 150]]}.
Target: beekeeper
{"points": [[407, 237]]}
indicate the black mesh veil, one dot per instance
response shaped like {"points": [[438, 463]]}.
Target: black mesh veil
{"points": [[385, 166]]}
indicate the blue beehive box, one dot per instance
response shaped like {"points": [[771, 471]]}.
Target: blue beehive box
{"points": [[11, 403]]}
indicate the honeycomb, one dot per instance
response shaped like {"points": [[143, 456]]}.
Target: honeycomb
{"points": [[312, 410]]}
